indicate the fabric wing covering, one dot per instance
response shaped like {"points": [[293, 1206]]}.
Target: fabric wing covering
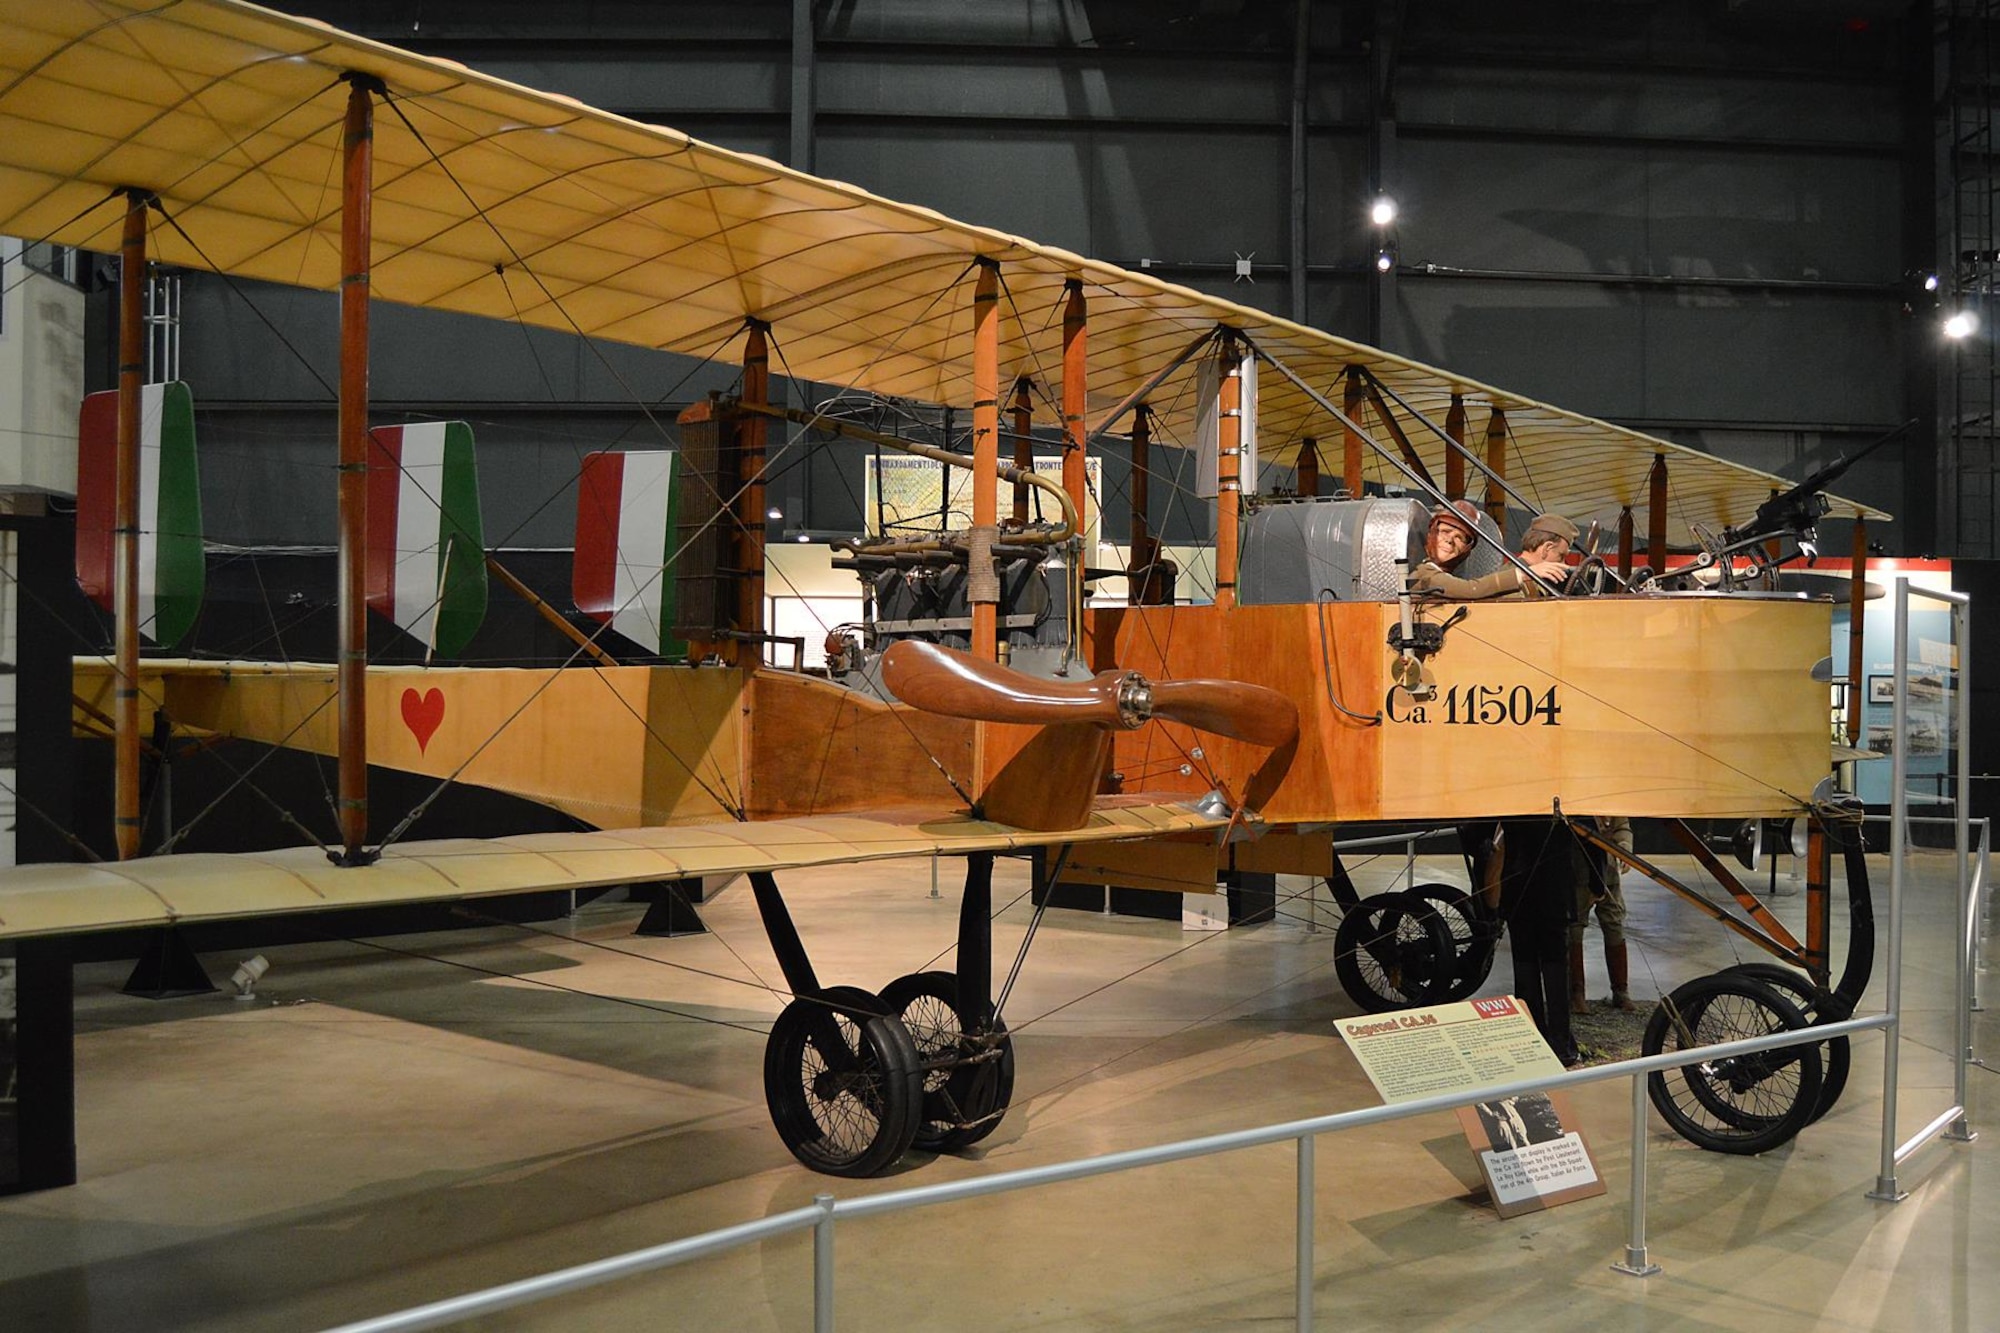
{"points": [[500, 201]]}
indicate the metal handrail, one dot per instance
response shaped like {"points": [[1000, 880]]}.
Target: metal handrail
{"points": [[827, 1210]]}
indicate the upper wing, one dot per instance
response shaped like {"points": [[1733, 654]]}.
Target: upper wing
{"points": [[497, 200], [214, 886]]}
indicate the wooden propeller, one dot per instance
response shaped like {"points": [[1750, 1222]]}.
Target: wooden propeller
{"points": [[940, 680], [1049, 784]]}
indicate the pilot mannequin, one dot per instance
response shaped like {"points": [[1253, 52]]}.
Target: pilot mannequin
{"points": [[1449, 539]]}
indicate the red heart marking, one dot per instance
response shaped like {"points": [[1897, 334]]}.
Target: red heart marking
{"points": [[422, 714]]}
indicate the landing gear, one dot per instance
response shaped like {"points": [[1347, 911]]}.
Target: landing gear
{"points": [[1750, 1104], [1819, 1005], [968, 1066], [843, 1081], [1394, 951], [853, 1080], [1474, 934], [1743, 1104]]}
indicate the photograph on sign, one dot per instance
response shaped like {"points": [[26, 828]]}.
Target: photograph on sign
{"points": [[1529, 1152]]}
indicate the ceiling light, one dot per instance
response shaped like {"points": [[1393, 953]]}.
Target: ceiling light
{"points": [[1383, 211], [1961, 324]]}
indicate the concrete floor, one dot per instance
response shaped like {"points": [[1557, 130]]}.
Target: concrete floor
{"points": [[394, 1121]]}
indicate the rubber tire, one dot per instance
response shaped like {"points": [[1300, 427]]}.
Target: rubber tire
{"points": [[1393, 952], [1473, 946], [1819, 1006], [1705, 1103], [854, 1121], [954, 1094]]}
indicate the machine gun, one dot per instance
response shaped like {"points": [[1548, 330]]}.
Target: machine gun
{"points": [[1792, 513], [1797, 511]]}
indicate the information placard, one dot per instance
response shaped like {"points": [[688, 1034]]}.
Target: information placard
{"points": [[1530, 1157], [1459, 1047]]}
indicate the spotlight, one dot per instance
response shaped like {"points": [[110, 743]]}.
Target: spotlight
{"points": [[1961, 324], [805, 537], [248, 973], [1383, 211], [1384, 260], [774, 513], [1930, 282]]}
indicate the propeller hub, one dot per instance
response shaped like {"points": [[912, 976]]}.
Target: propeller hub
{"points": [[1135, 701]]}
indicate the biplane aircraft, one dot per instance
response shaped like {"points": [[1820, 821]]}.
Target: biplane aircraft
{"points": [[985, 706]]}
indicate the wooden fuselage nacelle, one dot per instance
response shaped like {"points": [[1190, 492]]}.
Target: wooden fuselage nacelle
{"points": [[1681, 705], [1672, 705]]}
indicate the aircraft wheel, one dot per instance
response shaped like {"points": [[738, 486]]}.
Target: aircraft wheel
{"points": [[1471, 941], [843, 1082], [968, 1078], [1819, 1005], [1744, 1104], [1393, 952]]}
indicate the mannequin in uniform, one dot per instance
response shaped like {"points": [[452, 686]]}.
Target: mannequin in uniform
{"points": [[1597, 889], [1450, 539]]}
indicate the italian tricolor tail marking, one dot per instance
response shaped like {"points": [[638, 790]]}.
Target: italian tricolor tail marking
{"points": [[426, 547], [627, 516], [172, 566]]}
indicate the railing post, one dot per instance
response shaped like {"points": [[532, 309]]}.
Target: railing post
{"points": [[1636, 1264], [823, 1265], [1968, 887], [1980, 898], [1899, 813], [1305, 1237]]}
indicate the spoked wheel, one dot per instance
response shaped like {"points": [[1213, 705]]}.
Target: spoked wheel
{"points": [[1742, 1104], [1471, 942], [843, 1082], [968, 1076], [1393, 952], [1819, 1005]]}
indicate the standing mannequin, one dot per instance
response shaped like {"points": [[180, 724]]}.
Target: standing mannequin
{"points": [[1597, 888], [1537, 885]]}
